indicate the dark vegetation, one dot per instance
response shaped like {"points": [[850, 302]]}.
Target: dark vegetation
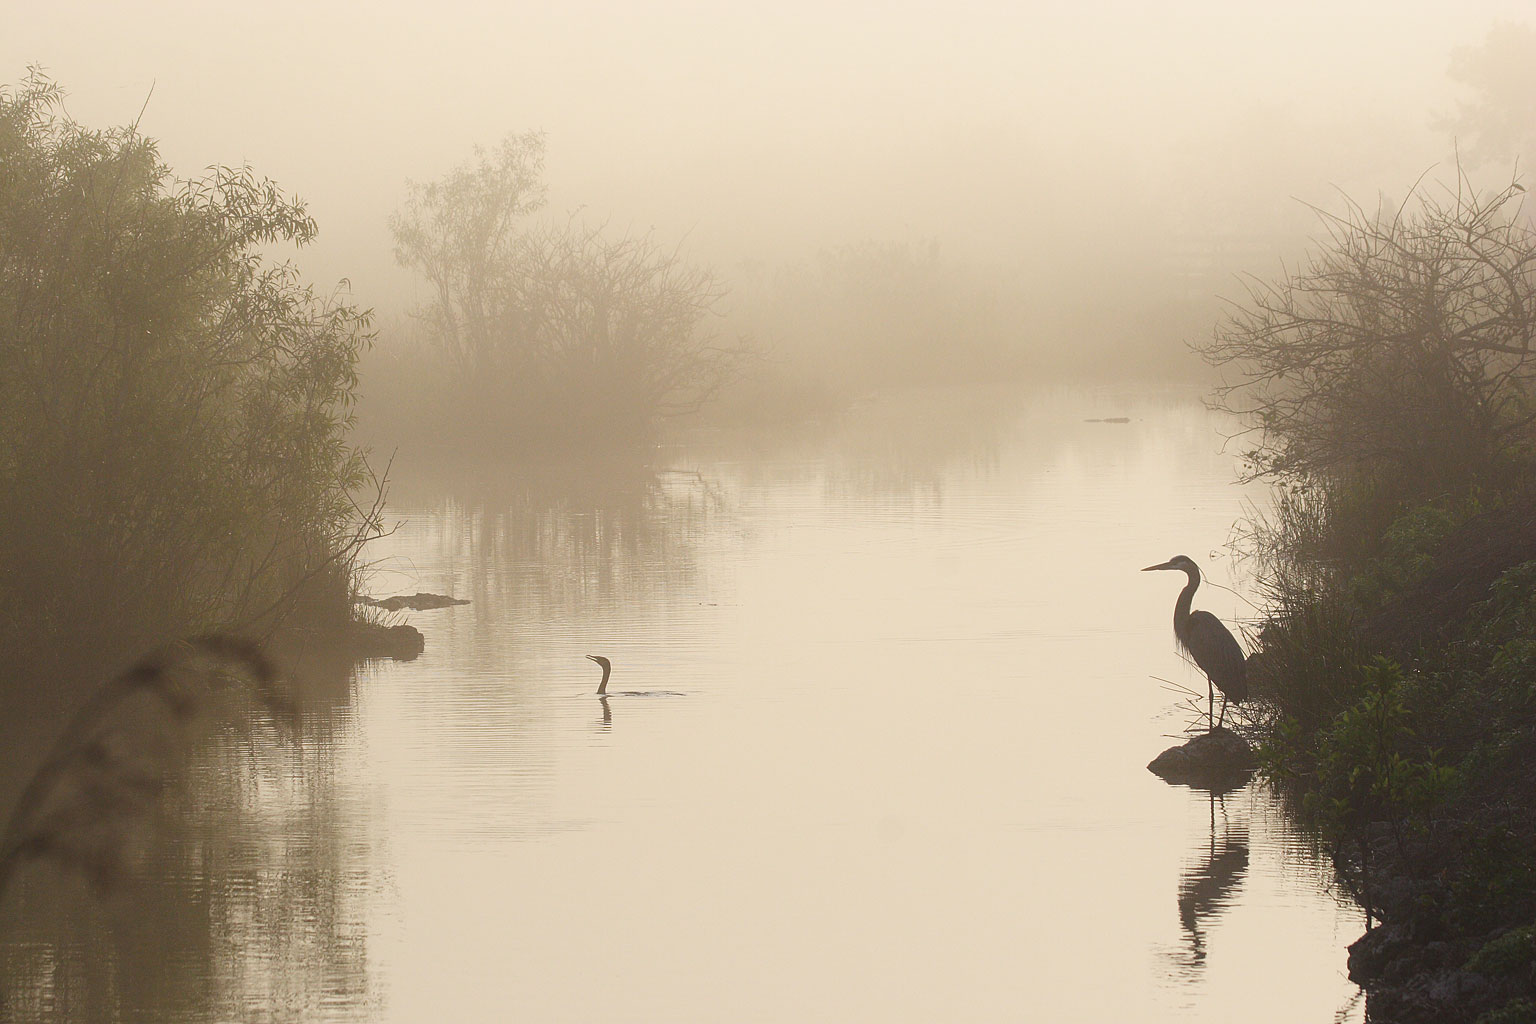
{"points": [[1391, 379], [173, 408]]}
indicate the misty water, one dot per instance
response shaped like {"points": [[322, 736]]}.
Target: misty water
{"points": [[884, 691]]}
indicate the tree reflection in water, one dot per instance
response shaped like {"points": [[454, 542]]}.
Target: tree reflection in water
{"points": [[244, 897], [566, 536]]}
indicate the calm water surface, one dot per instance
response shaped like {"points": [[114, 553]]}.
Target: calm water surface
{"points": [[885, 694]]}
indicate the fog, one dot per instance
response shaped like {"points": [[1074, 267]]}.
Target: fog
{"points": [[825, 373], [1041, 138]]}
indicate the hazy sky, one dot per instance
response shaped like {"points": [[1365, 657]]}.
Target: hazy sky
{"points": [[767, 130]]}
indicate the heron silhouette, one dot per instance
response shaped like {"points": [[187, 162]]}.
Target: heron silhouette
{"points": [[1208, 642]]}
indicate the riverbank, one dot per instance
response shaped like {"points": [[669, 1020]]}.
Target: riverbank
{"points": [[1399, 716]]}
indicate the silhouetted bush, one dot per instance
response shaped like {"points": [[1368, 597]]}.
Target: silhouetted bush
{"points": [[172, 406], [1391, 380], [1401, 348], [557, 333]]}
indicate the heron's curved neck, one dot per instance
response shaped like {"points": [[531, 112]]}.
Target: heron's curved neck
{"points": [[1181, 606], [602, 687]]}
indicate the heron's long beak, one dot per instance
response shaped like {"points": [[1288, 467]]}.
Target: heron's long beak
{"points": [[1165, 565]]}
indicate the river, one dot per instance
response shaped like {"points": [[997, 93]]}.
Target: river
{"points": [[882, 698]]}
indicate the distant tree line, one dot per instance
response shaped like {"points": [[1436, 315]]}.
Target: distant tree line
{"points": [[173, 407]]}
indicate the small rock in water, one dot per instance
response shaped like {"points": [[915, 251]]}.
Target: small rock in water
{"points": [[1208, 758], [372, 640]]}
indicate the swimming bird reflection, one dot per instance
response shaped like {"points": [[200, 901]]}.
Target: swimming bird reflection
{"points": [[1209, 885]]}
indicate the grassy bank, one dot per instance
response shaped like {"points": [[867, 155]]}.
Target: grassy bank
{"points": [[1397, 709]]}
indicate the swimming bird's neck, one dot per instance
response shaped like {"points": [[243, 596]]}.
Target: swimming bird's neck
{"points": [[602, 687]]}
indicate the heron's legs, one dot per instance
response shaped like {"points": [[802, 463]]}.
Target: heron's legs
{"points": [[1223, 716], [1210, 703]]}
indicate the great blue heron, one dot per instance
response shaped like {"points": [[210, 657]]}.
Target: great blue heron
{"points": [[1211, 644]]}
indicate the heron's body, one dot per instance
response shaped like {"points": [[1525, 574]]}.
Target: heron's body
{"points": [[1206, 640]]}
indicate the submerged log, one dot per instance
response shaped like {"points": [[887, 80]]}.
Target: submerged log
{"points": [[1210, 759], [415, 602]]}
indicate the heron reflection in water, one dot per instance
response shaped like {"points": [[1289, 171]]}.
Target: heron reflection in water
{"points": [[1212, 646], [1207, 887]]}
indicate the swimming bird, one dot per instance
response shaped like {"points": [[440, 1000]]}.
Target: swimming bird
{"points": [[1208, 642], [602, 687]]}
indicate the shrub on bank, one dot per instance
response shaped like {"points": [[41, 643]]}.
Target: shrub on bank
{"points": [[173, 406], [1394, 388], [555, 334]]}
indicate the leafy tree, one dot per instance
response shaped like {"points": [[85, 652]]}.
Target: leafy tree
{"points": [[461, 234], [172, 406], [555, 332]]}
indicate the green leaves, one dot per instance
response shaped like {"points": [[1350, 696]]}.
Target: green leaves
{"points": [[1369, 763]]}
